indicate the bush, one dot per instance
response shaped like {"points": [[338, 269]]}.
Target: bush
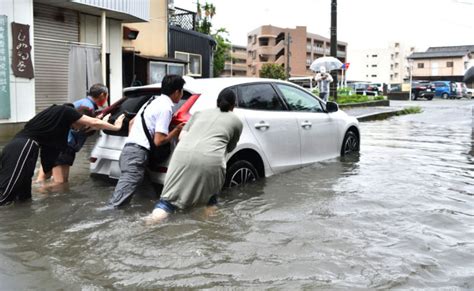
{"points": [[410, 110], [273, 71], [344, 99]]}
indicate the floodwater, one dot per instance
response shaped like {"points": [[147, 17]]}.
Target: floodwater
{"points": [[399, 215]]}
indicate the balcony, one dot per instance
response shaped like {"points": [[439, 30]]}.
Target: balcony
{"points": [[183, 18]]}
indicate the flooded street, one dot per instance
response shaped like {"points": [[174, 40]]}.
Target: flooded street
{"points": [[399, 215]]}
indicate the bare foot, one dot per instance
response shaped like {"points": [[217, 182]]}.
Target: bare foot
{"points": [[158, 215]]}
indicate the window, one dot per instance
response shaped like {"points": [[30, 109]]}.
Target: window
{"points": [[299, 100], [374, 56], [263, 41], [194, 62], [374, 76], [374, 66], [421, 65], [158, 70], [259, 97], [449, 64]]}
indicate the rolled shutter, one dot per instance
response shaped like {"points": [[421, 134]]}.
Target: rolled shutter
{"points": [[54, 27]]}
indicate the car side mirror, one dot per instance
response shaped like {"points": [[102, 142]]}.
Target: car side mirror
{"points": [[331, 107]]}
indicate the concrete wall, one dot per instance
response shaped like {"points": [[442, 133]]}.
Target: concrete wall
{"points": [[90, 32], [152, 39], [438, 67], [22, 91]]}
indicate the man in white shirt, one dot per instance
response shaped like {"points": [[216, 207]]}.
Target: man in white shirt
{"points": [[134, 156]]}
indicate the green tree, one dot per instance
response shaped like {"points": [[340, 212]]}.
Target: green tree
{"points": [[272, 71], [204, 25]]}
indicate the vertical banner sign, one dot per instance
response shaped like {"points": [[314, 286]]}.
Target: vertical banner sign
{"points": [[4, 70], [21, 59]]}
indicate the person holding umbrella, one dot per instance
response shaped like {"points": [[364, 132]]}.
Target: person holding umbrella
{"points": [[323, 66], [323, 79]]}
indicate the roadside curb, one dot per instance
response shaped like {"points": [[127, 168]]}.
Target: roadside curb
{"points": [[376, 103], [378, 115]]}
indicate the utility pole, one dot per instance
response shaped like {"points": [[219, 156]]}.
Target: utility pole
{"points": [[334, 45], [288, 54]]}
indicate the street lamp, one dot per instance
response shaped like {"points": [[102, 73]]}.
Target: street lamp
{"points": [[410, 69]]}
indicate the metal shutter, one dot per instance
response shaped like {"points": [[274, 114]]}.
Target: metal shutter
{"points": [[53, 28]]}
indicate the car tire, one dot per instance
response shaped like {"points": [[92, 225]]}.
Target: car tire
{"points": [[240, 173], [430, 98], [350, 143], [444, 95]]}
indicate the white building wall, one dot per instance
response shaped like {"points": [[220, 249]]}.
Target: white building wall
{"points": [[22, 91], [391, 68]]}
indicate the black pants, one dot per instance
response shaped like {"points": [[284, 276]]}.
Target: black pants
{"points": [[17, 166]]}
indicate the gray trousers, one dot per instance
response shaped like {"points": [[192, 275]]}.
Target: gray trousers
{"points": [[133, 162], [324, 96]]}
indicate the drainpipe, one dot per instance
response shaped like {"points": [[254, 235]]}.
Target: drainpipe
{"points": [[104, 47]]}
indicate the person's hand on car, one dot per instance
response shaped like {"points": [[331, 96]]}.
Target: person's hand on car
{"points": [[118, 122]]}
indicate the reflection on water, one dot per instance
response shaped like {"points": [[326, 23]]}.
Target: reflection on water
{"points": [[400, 214]]}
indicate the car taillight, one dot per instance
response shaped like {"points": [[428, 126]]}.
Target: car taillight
{"points": [[162, 169], [183, 115], [111, 108], [92, 159]]}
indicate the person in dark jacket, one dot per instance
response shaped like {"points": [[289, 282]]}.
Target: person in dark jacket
{"points": [[44, 135]]}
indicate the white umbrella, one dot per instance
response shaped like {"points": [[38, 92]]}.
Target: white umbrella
{"points": [[330, 63]]}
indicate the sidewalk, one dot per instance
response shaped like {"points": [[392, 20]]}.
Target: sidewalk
{"points": [[372, 113]]}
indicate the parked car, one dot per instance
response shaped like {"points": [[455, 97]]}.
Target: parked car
{"points": [[443, 89], [366, 89], [395, 88], [422, 89], [470, 92], [285, 127], [380, 86], [461, 90]]}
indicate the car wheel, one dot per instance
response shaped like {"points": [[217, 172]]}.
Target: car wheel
{"points": [[430, 98], [350, 143], [445, 95], [240, 173]]}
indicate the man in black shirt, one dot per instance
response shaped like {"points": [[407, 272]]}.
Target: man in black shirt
{"points": [[46, 135]]}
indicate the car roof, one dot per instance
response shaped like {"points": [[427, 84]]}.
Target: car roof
{"points": [[194, 85]]}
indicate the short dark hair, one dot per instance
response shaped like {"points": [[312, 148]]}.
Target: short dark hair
{"points": [[171, 83], [226, 100], [97, 89]]}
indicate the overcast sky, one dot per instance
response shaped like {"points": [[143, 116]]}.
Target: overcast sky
{"points": [[361, 23]]}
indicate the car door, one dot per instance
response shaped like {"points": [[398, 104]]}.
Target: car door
{"points": [[318, 130], [274, 127]]}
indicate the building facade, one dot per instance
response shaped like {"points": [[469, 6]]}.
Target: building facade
{"points": [[293, 48], [72, 44], [167, 44], [236, 65], [382, 65], [442, 63]]}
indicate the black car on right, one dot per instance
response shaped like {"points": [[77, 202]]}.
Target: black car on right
{"points": [[423, 89]]}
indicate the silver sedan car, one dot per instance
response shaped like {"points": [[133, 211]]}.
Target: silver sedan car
{"points": [[285, 127]]}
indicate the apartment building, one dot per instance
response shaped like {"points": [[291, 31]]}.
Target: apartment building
{"points": [[442, 63], [236, 66], [383, 65], [293, 48]]}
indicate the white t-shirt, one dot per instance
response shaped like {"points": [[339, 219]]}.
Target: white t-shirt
{"points": [[157, 117]]}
